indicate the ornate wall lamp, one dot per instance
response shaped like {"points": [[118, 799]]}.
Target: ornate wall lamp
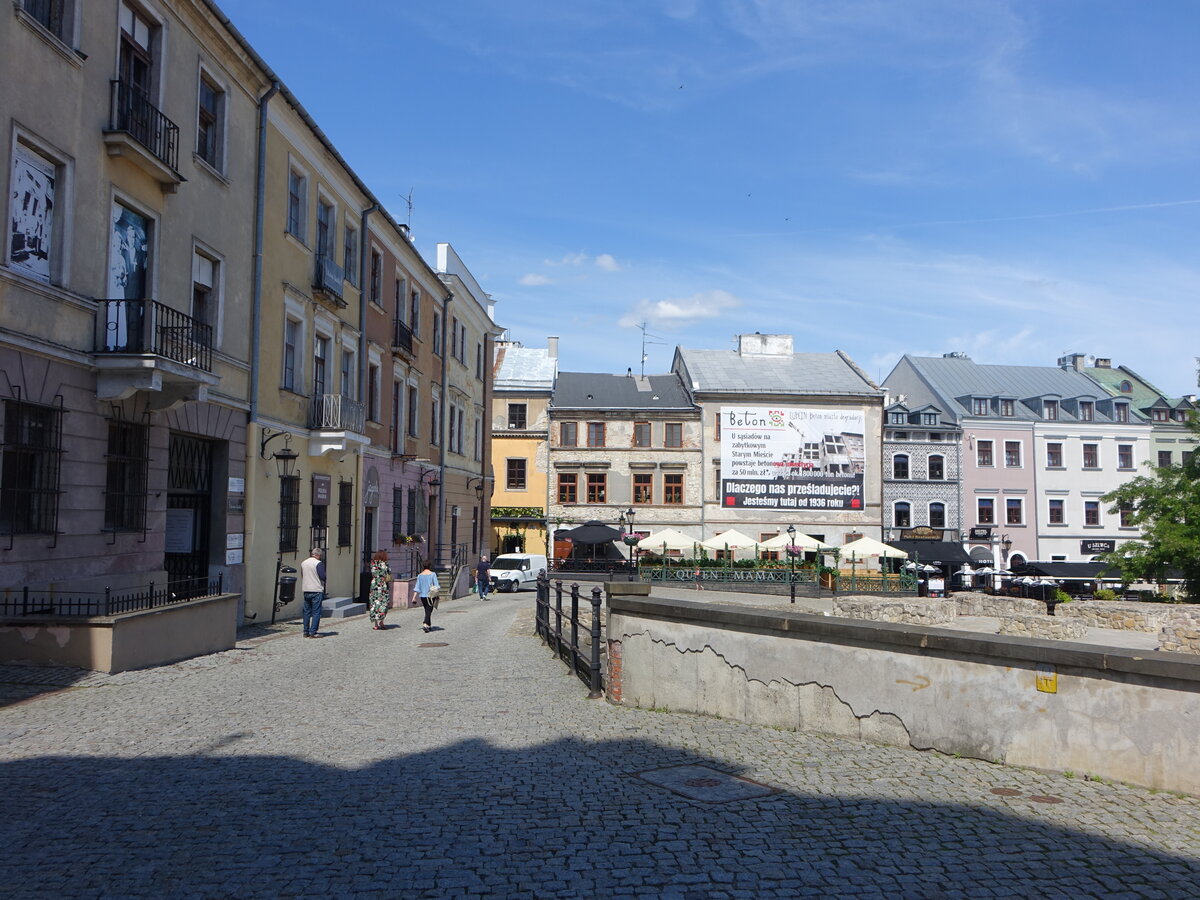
{"points": [[285, 458]]}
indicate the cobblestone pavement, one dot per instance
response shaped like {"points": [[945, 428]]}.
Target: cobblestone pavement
{"points": [[370, 764]]}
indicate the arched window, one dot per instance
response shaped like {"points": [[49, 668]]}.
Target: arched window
{"points": [[937, 515], [900, 465], [902, 514], [937, 467], [1126, 387]]}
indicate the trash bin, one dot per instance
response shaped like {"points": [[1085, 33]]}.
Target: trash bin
{"points": [[287, 586]]}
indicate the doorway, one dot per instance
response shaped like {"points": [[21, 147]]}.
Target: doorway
{"points": [[189, 515]]}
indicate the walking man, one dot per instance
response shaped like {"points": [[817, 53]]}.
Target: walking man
{"points": [[312, 582], [483, 583]]}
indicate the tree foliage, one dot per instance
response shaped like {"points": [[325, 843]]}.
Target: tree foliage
{"points": [[1166, 506]]}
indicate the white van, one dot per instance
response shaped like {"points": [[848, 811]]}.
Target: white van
{"points": [[513, 571]]}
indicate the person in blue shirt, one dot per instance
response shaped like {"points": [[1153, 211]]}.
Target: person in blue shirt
{"points": [[426, 582]]}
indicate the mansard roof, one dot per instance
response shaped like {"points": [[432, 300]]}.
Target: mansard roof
{"points": [[590, 390], [795, 374]]}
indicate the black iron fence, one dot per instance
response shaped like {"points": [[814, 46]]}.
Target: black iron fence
{"points": [[612, 569], [132, 112], [336, 412], [402, 336], [106, 603], [328, 275], [582, 659], [147, 326]]}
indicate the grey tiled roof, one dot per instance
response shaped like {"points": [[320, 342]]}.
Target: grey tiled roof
{"points": [[799, 373], [956, 380], [589, 390], [527, 368]]}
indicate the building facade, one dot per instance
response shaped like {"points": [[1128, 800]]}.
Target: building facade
{"points": [[126, 351], [620, 443], [524, 380]]}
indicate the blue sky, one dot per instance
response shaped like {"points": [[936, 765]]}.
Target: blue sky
{"points": [[1014, 180]]}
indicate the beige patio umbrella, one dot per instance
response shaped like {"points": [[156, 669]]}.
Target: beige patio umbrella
{"points": [[782, 542], [668, 539], [866, 546], [730, 540]]}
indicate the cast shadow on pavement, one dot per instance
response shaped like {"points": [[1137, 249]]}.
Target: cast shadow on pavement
{"points": [[559, 819]]}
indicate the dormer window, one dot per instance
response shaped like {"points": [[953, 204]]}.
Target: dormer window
{"points": [[1050, 409], [928, 418], [1087, 411], [1121, 412], [1159, 415], [980, 406], [1006, 407], [1126, 387], [897, 418]]}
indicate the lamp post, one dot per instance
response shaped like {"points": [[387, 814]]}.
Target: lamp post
{"points": [[630, 539], [791, 552]]}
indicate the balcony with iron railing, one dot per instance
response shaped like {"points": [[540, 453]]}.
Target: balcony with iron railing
{"points": [[333, 412], [328, 277], [402, 337], [147, 345], [139, 131]]}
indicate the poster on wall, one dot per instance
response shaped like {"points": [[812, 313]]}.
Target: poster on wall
{"points": [[129, 251], [31, 209], [792, 458]]}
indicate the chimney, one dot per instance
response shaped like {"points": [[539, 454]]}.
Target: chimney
{"points": [[552, 347], [1072, 361], [758, 344], [1102, 363]]}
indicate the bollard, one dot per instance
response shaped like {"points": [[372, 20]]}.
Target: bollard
{"points": [[597, 691], [574, 646]]}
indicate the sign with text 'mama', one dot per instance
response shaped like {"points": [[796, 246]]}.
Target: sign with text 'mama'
{"points": [[792, 458]]}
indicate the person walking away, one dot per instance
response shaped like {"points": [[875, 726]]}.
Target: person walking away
{"points": [[427, 583], [312, 583], [483, 581], [379, 598]]}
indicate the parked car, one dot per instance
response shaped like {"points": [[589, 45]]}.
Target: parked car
{"points": [[513, 571]]}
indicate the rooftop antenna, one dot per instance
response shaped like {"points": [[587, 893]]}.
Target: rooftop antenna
{"points": [[642, 327], [408, 202]]}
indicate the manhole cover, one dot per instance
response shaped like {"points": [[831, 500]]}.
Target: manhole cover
{"points": [[1045, 798], [705, 784], [434, 644], [1006, 792]]}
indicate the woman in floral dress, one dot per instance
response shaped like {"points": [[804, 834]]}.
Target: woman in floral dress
{"points": [[380, 596]]}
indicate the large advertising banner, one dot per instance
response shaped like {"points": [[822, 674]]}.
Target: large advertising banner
{"points": [[798, 458]]}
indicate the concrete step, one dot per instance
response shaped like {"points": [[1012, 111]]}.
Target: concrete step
{"points": [[341, 608]]}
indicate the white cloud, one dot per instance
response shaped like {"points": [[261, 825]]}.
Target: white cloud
{"points": [[533, 280], [680, 312], [608, 263], [571, 259]]}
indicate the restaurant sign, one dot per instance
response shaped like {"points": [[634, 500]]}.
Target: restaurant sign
{"points": [[1090, 548]]}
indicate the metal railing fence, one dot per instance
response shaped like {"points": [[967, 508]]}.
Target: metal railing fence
{"points": [[132, 112], [582, 660], [106, 603]]}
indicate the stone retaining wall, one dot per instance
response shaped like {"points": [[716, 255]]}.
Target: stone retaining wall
{"points": [[971, 603], [1181, 631], [1122, 614], [906, 612], [1043, 626]]}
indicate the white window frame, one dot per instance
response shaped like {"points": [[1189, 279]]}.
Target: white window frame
{"points": [[929, 467], [1020, 463], [61, 221], [895, 510], [209, 73], [929, 513], [1020, 501], [907, 465], [199, 248]]}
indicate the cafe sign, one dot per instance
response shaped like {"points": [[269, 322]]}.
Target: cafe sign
{"points": [[1091, 548]]}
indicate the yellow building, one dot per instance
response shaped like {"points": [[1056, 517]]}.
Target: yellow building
{"points": [[524, 382], [305, 397]]}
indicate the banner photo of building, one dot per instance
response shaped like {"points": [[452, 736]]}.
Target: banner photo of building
{"points": [[792, 458]]}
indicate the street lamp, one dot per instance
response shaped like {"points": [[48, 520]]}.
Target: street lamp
{"points": [[630, 539], [791, 552]]}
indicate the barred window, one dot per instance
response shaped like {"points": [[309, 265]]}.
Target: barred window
{"points": [[289, 513], [397, 513], [30, 470], [345, 512], [319, 535], [125, 488]]}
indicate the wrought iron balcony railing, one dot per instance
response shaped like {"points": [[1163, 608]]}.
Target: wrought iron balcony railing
{"points": [[334, 412], [328, 276], [402, 337], [132, 113], [147, 326]]}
